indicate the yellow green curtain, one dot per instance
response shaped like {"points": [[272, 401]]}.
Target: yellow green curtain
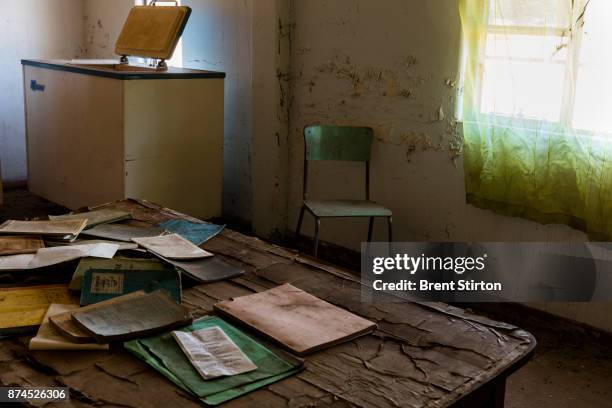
{"points": [[521, 158]]}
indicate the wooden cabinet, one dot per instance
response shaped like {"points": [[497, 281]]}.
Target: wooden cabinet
{"points": [[97, 134]]}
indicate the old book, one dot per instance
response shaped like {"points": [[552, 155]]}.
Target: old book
{"points": [[66, 229], [207, 270], [56, 255], [66, 327], [212, 353], [295, 319], [17, 245], [196, 233], [125, 233], [96, 217], [163, 354], [131, 316], [23, 308], [48, 339], [103, 284], [172, 246], [117, 263]]}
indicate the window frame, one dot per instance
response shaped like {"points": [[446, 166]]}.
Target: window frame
{"points": [[572, 61]]}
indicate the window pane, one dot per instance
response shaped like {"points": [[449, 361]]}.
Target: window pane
{"points": [[523, 89], [524, 76], [531, 13], [593, 102]]}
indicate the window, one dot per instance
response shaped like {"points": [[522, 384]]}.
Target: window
{"points": [[548, 60], [177, 57]]}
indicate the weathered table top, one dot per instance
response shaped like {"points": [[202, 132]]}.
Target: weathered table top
{"points": [[422, 355]]}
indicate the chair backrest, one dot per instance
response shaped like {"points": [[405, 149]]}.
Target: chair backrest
{"points": [[338, 143]]}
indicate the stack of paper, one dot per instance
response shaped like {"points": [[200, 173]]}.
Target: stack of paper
{"points": [[94, 218], [295, 319], [65, 230], [165, 355], [48, 339]]}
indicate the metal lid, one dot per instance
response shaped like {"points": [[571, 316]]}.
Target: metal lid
{"points": [[152, 32]]}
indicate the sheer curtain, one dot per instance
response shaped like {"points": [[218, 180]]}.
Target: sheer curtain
{"points": [[537, 110]]}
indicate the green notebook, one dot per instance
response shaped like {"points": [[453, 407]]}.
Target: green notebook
{"points": [[164, 354], [104, 284]]}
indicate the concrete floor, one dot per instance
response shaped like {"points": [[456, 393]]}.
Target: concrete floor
{"points": [[572, 366]]}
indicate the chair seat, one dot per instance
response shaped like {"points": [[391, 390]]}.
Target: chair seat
{"points": [[346, 208]]}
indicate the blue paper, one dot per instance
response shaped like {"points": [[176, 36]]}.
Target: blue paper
{"points": [[191, 231]]}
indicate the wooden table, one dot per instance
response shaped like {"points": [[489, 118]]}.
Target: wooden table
{"points": [[422, 355]]}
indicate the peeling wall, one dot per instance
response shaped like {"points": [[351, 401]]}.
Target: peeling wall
{"points": [[395, 68], [102, 23], [30, 29]]}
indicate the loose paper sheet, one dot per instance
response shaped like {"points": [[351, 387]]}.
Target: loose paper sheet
{"points": [[48, 339], [212, 353], [172, 246], [56, 255]]}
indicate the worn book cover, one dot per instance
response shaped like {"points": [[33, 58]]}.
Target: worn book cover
{"points": [[124, 233], [172, 246], [103, 284], [25, 307], [17, 245], [65, 229], [295, 319], [96, 217], [207, 270], [132, 316]]}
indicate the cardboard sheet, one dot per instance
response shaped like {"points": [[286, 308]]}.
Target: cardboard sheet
{"points": [[104, 284], [196, 233], [124, 233], [212, 353], [131, 316], [295, 319], [17, 245], [48, 339], [162, 353], [172, 246], [26, 306], [96, 217], [61, 229]]}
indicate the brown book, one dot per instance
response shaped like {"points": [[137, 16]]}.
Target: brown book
{"points": [[64, 229], [129, 317], [295, 319], [96, 217], [17, 245], [66, 327]]}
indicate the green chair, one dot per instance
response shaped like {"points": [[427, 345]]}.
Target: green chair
{"points": [[340, 143]]}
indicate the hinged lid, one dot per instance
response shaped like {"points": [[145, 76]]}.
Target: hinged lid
{"points": [[152, 32]]}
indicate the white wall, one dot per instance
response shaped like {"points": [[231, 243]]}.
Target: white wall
{"points": [[103, 20], [218, 38], [30, 29]]}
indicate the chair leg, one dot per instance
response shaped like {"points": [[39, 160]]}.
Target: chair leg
{"points": [[390, 226], [300, 220], [316, 240], [370, 229]]}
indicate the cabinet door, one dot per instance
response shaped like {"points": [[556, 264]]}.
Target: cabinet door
{"points": [[74, 137]]}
